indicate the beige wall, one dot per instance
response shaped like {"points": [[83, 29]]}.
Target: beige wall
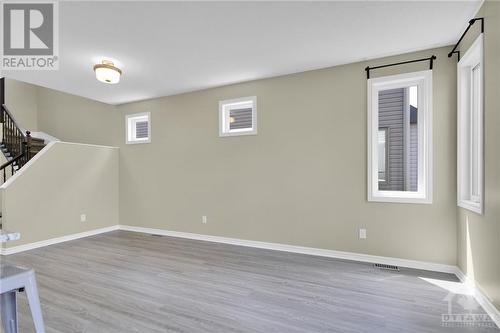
{"points": [[76, 119], [67, 117], [302, 179], [479, 236], [21, 100], [66, 180]]}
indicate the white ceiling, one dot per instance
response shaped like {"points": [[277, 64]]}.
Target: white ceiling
{"points": [[165, 48]]}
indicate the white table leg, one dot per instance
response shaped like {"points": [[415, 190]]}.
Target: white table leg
{"points": [[8, 306], [34, 302]]}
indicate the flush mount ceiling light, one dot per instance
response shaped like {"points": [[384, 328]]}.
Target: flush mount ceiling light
{"points": [[107, 72]]}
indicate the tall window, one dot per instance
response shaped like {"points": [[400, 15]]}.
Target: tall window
{"points": [[400, 138], [470, 128]]}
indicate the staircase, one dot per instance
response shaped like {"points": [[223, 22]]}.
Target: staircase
{"points": [[35, 147], [17, 147]]}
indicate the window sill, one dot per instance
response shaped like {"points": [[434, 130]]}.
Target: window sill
{"points": [[396, 197], [473, 206], [138, 142], [252, 132]]}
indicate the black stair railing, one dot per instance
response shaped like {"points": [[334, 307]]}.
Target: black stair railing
{"points": [[12, 135], [4, 168], [2, 91], [14, 142]]}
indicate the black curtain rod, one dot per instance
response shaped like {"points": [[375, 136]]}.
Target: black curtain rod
{"points": [[430, 59], [471, 22]]}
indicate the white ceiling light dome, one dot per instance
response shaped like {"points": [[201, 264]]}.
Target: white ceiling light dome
{"points": [[107, 72]]}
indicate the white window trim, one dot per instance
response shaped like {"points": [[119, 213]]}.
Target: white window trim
{"points": [[423, 80], [224, 117], [386, 130], [473, 57], [127, 129]]}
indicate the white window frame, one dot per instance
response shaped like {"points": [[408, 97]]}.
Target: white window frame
{"points": [[423, 80], [131, 119], [224, 116], [465, 199], [386, 150]]}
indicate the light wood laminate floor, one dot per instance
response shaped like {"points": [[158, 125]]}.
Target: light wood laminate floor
{"points": [[130, 282]]}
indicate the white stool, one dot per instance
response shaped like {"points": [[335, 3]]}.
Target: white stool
{"points": [[13, 279]]}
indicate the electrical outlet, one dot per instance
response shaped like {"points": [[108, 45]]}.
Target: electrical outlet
{"points": [[362, 233], [204, 219], [83, 218]]}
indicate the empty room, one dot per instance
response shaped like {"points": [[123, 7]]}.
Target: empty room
{"points": [[249, 166]]}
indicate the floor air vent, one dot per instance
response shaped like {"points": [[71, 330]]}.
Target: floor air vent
{"points": [[386, 267]]}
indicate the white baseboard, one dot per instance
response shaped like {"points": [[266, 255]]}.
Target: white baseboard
{"points": [[35, 245], [460, 275], [480, 296], [301, 249], [249, 243], [243, 242]]}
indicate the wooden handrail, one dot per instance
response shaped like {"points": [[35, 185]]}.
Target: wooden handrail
{"points": [[15, 159]]}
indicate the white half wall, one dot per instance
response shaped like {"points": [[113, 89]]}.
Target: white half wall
{"points": [[47, 197]]}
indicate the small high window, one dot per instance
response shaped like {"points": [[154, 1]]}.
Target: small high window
{"points": [[471, 128], [138, 128], [238, 116]]}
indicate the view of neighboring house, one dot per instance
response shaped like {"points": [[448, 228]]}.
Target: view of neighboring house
{"points": [[398, 140], [250, 166]]}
